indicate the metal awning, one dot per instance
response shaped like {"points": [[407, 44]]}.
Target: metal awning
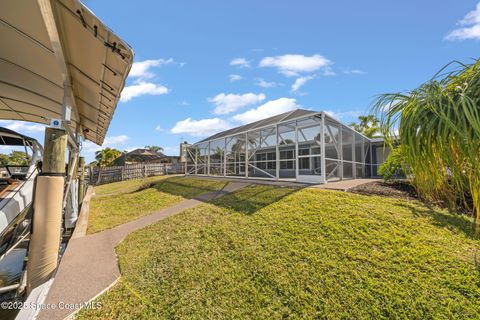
{"points": [[59, 61]]}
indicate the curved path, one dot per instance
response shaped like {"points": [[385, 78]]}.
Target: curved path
{"points": [[89, 265]]}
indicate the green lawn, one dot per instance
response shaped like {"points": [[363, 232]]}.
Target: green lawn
{"points": [[120, 202], [274, 253], [128, 186]]}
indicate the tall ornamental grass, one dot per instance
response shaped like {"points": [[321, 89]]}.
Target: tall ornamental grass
{"points": [[438, 126]]}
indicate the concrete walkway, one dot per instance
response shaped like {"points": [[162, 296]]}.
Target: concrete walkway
{"points": [[89, 265], [344, 185], [340, 185], [279, 183]]}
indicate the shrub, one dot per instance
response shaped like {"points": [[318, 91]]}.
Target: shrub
{"points": [[394, 165]]}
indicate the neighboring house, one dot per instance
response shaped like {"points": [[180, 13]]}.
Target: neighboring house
{"points": [[144, 156]]}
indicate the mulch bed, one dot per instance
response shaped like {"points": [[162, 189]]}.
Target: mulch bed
{"points": [[394, 189]]}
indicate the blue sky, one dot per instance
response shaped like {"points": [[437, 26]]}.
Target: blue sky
{"points": [[204, 66]]}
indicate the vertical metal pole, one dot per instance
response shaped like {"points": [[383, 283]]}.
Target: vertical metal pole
{"points": [[47, 217], [277, 156], [354, 154], [81, 180], [363, 157], [371, 160], [196, 160], [224, 157], [246, 155], [296, 152], [208, 159], [322, 150], [341, 153]]}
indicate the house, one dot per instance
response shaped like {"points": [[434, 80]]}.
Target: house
{"points": [[144, 156], [300, 145]]}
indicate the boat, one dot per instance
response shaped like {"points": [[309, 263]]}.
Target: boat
{"points": [[16, 188]]}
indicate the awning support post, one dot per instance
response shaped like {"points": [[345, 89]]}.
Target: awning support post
{"points": [[47, 216], [81, 180]]}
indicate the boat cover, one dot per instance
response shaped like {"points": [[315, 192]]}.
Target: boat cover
{"points": [[11, 138]]}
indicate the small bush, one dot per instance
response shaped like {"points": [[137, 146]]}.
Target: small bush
{"points": [[394, 166]]}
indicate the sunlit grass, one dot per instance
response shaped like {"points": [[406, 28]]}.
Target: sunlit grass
{"points": [[127, 186], [273, 253], [126, 201]]}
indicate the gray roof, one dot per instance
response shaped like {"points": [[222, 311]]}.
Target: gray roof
{"points": [[297, 113]]}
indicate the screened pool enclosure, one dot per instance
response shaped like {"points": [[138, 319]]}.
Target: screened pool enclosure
{"points": [[301, 145]]}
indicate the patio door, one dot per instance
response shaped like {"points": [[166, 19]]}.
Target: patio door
{"points": [[309, 158]]}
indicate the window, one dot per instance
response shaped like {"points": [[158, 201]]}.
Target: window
{"points": [[261, 157], [303, 152], [358, 147], [310, 134], [332, 140], [287, 154], [347, 144], [287, 164], [286, 133], [304, 163]]}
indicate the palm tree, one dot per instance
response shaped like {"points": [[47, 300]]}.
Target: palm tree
{"points": [[367, 125], [105, 157], [154, 148], [439, 130]]}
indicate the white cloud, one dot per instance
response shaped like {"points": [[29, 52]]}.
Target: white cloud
{"points": [[342, 114], [141, 73], [171, 151], [469, 27], [240, 62], [142, 88], [89, 147], [22, 126], [295, 64], [235, 77], [115, 140], [300, 82], [328, 72], [227, 103], [158, 128], [265, 84], [354, 71], [184, 103], [141, 69], [198, 128], [266, 110]]}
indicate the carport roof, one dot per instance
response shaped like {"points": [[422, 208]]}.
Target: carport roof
{"points": [[57, 53]]}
